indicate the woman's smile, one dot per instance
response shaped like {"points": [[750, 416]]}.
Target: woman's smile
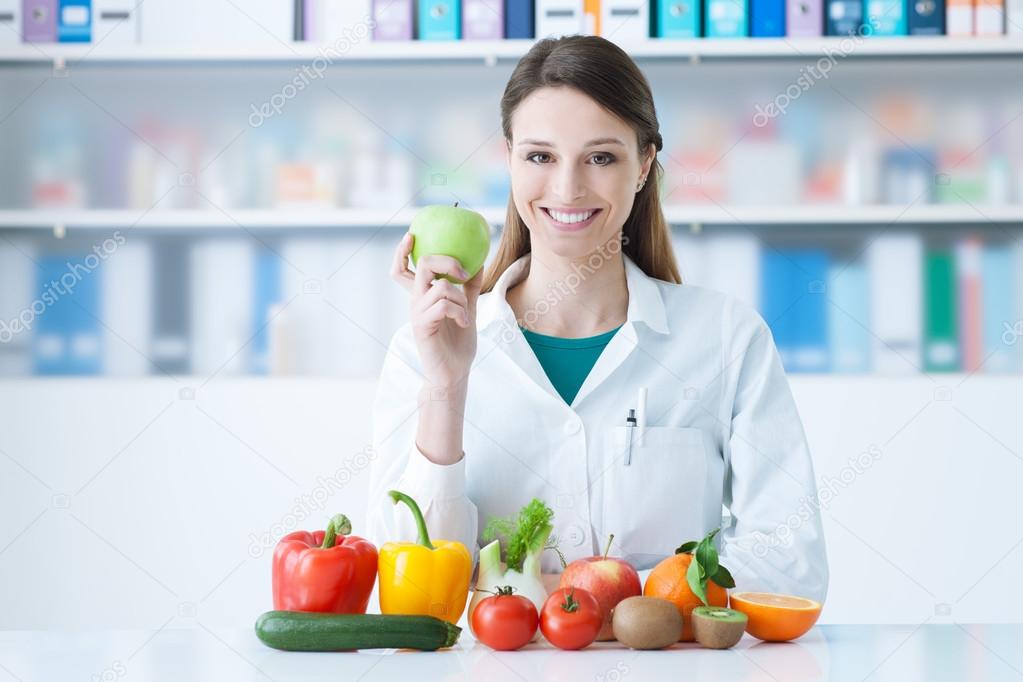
{"points": [[572, 220]]}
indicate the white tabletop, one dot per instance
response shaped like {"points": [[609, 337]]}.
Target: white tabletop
{"points": [[828, 652]]}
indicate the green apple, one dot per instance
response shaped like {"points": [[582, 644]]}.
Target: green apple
{"points": [[451, 231]]}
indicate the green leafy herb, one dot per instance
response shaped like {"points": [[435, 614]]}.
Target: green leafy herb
{"points": [[524, 535], [705, 566], [723, 578]]}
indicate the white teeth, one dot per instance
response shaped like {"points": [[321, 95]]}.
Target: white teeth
{"points": [[570, 217]]}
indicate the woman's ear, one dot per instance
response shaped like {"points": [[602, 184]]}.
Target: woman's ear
{"points": [[648, 160]]}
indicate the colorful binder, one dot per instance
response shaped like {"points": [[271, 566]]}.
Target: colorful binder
{"points": [[727, 18], [1014, 17], [998, 303], [67, 332], [887, 17], [439, 20], [334, 21], [678, 18], [895, 265], [926, 17], [804, 18], [624, 20], [592, 25], [518, 18], [794, 306], [989, 17], [555, 18], [844, 17], [393, 19], [10, 22], [767, 18], [39, 21], [266, 293], [941, 333], [959, 16], [849, 317], [482, 20], [74, 21], [115, 22], [968, 261]]}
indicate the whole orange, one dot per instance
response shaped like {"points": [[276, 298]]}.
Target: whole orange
{"points": [[668, 581]]}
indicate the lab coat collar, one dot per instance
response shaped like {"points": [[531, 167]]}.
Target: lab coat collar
{"points": [[645, 302]]}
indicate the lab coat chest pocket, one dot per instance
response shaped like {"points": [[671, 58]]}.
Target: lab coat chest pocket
{"points": [[659, 496]]}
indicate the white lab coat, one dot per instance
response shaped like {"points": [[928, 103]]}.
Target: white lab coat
{"points": [[722, 431]]}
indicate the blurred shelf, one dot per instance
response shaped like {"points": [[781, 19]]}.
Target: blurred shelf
{"points": [[693, 216], [492, 51], [932, 381], [205, 219], [830, 214]]}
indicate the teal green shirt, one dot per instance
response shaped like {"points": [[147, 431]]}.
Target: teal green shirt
{"points": [[567, 362]]}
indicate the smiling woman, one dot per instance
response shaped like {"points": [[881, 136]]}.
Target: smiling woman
{"points": [[582, 137], [580, 321]]}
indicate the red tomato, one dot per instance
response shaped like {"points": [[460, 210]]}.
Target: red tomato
{"points": [[505, 621], [571, 618]]}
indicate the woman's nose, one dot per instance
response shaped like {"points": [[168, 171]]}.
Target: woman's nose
{"points": [[568, 185]]}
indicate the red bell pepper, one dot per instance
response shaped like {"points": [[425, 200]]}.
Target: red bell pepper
{"points": [[324, 571]]}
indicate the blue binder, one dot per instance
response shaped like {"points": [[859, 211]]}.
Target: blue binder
{"points": [[74, 21], [998, 309], [767, 18], [887, 17], [266, 292], [67, 334], [793, 285], [677, 19], [843, 17], [727, 18], [440, 20], [926, 18], [518, 18], [849, 317]]}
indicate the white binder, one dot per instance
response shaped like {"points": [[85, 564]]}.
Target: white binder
{"points": [[556, 18]]}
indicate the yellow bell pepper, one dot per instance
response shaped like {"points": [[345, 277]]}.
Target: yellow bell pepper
{"points": [[424, 578]]}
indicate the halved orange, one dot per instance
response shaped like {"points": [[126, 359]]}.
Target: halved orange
{"points": [[776, 617]]}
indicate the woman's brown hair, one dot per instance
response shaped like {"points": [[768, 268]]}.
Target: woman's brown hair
{"points": [[598, 68]]}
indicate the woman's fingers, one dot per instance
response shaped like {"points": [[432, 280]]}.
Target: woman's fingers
{"points": [[472, 290], [430, 266], [442, 289], [444, 309], [399, 267]]}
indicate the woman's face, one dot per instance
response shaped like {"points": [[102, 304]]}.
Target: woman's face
{"points": [[569, 155]]}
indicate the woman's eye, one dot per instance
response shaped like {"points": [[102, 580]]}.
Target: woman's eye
{"points": [[607, 159]]}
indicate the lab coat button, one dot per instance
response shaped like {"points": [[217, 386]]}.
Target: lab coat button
{"points": [[574, 535], [572, 427]]}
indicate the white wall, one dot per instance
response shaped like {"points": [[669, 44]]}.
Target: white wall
{"points": [[135, 503]]}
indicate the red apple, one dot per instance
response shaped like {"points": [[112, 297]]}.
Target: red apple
{"points": [[610, 580]]}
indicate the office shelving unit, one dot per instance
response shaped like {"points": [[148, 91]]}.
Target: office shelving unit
{"points": [[696, 217], [490, 52], [101, 61]]}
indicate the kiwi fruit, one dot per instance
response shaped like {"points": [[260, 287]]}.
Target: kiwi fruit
{"points": [[646, 622], [715, 627]]}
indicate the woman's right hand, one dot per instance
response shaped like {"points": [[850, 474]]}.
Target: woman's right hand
{"points": [[443, 315]]}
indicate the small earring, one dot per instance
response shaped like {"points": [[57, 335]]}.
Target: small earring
{"points": [[641, 185]]}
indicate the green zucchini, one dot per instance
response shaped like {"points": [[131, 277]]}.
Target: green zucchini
{"points": [[301, 631]]}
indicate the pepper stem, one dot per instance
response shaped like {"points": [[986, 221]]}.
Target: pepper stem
{"points": [[338, 525], [424, 536]]}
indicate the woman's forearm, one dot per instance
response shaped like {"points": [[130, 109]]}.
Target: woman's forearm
{"points": [[441, 422]]}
